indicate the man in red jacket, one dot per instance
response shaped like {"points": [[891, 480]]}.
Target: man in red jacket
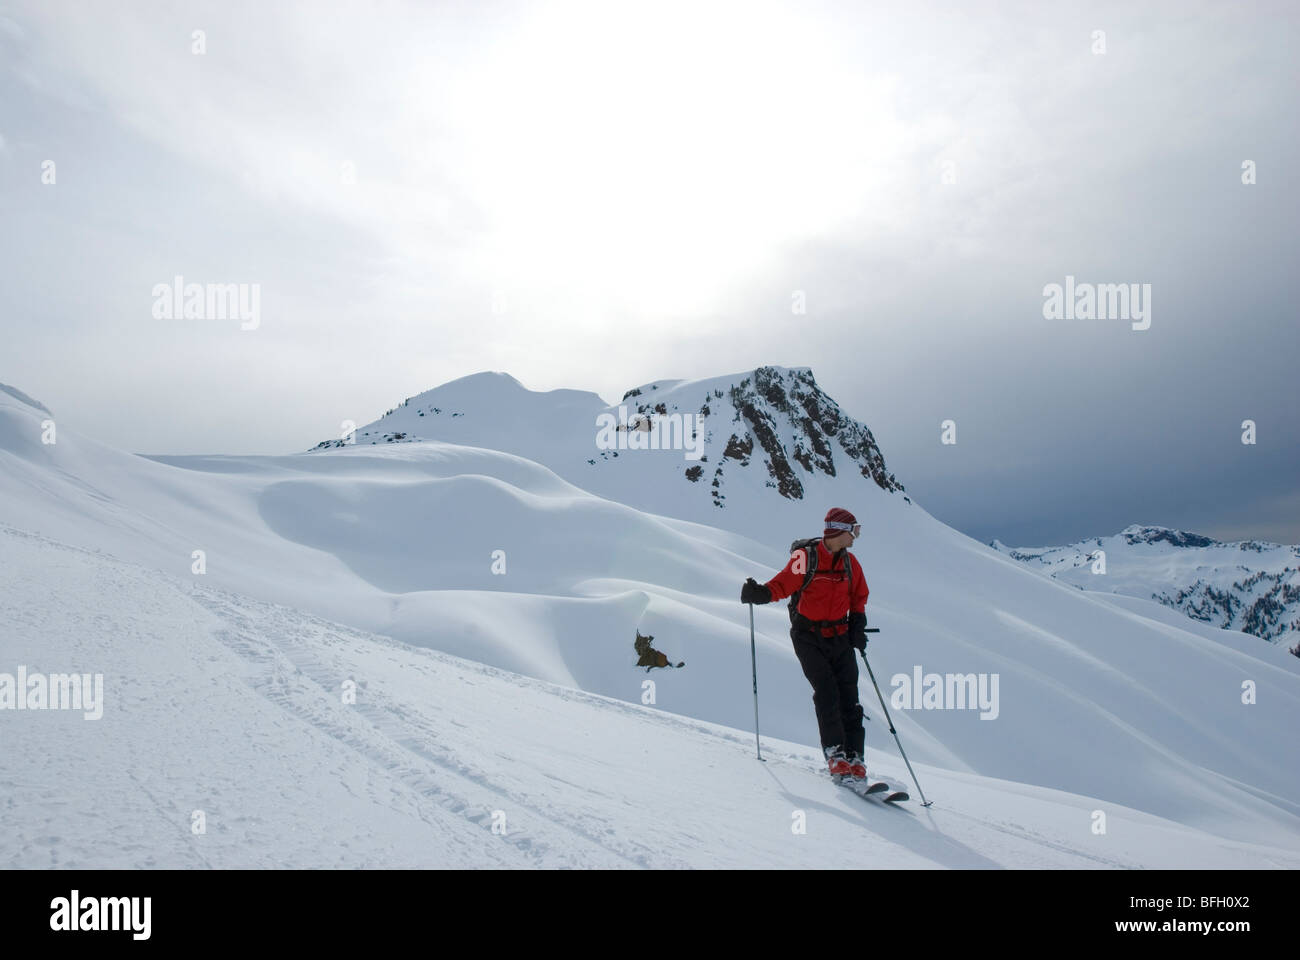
{"points": [[830, 622]]}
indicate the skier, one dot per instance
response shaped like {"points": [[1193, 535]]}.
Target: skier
{"points": [[827, 623]]}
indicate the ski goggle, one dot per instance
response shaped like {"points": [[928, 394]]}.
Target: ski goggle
{"points": [[854, 528]]}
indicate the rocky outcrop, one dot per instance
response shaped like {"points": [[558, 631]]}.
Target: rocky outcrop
{"points": [[791, 421]]}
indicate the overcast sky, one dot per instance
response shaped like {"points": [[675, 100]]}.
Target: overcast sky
{"points": [[594, 195]]}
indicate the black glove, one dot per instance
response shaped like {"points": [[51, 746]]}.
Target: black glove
{"points": [[858, 630], [754, 592]]}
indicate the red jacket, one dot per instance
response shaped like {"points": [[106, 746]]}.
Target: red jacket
{"points": [[827, 596]]}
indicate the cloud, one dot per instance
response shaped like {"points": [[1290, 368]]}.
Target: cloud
{"points": [[592, 198], [1272, 518]]}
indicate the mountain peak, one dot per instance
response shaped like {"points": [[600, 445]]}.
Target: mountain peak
{"points": [[1137, 533], [679, 447], [776, 416]]}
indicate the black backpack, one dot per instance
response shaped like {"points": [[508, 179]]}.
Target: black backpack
{"points": [[809, 547]]}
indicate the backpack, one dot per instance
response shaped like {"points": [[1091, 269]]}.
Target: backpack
{"points": [[809, 547]]}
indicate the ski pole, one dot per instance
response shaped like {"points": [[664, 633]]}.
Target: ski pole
{"points": [[924, 802], [753, 660]]}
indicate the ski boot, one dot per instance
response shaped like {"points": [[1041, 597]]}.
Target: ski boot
{"points": [[837, 763], [857, 768]]}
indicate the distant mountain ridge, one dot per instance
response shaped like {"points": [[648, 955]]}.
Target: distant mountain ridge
{"points": [[1247, 585]]}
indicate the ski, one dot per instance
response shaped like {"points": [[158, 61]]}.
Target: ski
{"points": [[883, 792], [873, 788]]}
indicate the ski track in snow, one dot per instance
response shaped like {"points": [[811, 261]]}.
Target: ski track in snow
{"points": [[399, 738], [1101, 696], [234, 706]]}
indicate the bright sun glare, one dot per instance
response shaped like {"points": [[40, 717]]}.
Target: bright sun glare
{"points": [[652, 157]]}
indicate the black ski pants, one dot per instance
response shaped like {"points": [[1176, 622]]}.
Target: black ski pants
{"points": [[829, 664]]}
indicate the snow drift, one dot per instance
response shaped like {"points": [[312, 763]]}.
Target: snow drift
{"points": [[495, 539]]}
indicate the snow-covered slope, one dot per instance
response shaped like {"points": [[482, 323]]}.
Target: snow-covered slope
{"points": [[402, 539], [226, 741], [1245, 585]]}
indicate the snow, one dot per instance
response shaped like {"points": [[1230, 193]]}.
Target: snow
{"points": [[22, 397], [517, 690], [233, 707], [1151, 562]]}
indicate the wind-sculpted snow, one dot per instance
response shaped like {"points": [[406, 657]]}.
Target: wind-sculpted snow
{"points": [[243, 734], [22, 397], [508, 561]]}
